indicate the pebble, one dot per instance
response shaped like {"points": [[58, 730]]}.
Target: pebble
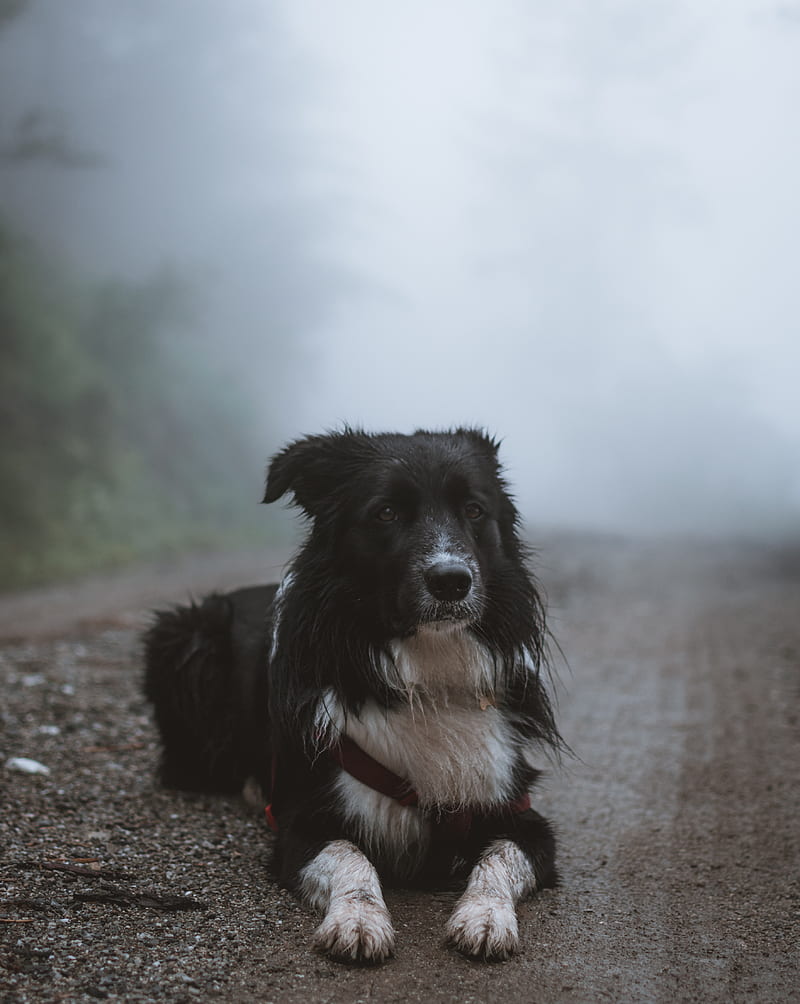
{"points": [[26, 765]]}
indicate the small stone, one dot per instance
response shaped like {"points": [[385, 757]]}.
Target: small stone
{"points": [[26, 765]]}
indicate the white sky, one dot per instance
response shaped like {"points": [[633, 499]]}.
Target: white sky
{"points": [[581, 223], [575, 223]]}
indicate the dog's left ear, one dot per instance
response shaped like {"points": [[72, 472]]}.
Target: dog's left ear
{"points": [[485, 444]]}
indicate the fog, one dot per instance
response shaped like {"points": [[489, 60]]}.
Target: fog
{"points": [[574, 224]]}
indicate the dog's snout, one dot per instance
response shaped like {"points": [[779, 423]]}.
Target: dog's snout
{"points": [[448, 580]]}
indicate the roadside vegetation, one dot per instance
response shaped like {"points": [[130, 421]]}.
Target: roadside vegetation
{"points": [[118, 440]]}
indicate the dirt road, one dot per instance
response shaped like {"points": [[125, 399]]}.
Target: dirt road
{"points": [[679, 820]]}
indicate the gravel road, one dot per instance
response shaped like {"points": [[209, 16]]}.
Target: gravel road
{"points": [[678, 818]]}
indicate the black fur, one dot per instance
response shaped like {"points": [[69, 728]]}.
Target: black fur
{"points": [[206, 678], [227, 709]]}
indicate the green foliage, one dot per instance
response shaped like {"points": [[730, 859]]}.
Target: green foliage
{"points": [[117, 438], [9, 9]]}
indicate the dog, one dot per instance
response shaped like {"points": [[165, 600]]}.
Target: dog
{"points": [[390, 694]]}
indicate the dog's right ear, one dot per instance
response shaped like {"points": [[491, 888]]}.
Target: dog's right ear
{"points": [[304, 468]]}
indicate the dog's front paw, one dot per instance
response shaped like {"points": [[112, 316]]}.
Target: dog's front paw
{"points": [[484, 927], [357, 929]]}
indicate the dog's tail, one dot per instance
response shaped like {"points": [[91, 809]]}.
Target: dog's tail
{"points": [[189, 664]]}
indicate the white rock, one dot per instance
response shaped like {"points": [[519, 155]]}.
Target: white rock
{"points": [[26, 765]]}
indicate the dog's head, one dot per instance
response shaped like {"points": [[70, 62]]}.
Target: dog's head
{"points": [[413, 530]]}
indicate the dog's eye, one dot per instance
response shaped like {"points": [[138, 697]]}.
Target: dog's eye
{"points": [[386, 514], [473, 511]]}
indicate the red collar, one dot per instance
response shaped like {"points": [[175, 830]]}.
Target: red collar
{"points": [[366, 769]]}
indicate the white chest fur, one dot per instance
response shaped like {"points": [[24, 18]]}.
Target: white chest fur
{"points": [[452, 755], [446, 739]]}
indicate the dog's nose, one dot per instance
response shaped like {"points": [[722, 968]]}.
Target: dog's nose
{"points": [[448, 580]]}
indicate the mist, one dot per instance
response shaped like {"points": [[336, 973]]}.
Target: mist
{"points": [[572, 224]]}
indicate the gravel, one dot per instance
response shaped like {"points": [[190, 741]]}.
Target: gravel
{"points": [[678, 818]]}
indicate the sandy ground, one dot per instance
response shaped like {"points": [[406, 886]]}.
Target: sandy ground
{"points": [[679, 818]]}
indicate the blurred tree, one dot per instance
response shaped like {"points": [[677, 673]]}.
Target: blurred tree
{"points": [[36, 137], [116, 437], [9, 9], [131, 419]]}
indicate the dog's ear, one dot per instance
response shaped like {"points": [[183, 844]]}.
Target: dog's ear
{"points": [[296, 469], [312, 469], [482, 442]]}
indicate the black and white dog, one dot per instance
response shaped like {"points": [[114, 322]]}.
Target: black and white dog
{"points": [[388, 694]]}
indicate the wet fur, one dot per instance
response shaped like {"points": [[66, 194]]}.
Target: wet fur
{"points": [[409, 622]]}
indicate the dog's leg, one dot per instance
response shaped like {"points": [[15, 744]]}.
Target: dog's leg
{"points": [[342, 883], [484, 922]]}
